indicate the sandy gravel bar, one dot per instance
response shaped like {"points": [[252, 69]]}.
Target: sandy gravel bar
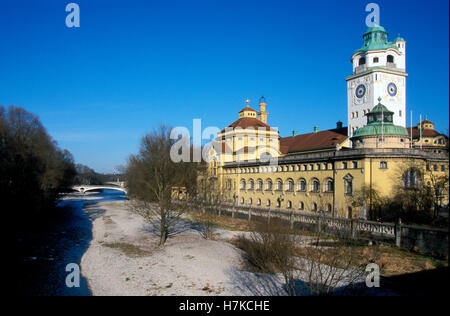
{"points": [[123, 259]]}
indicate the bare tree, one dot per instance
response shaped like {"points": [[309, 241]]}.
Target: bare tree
{"points": [[313, 264], [152, 176]]}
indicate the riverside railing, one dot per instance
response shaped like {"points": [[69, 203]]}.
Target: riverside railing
{"points": [[433, 241]]}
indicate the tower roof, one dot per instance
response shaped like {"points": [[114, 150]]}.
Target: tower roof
{"points": [[399, 39], [375, 38], [380, 108]]}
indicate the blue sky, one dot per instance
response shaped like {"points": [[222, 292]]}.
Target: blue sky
{"points": [[135, 64]]}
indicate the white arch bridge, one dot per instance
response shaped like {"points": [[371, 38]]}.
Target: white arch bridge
{"points": [[118, 186]]}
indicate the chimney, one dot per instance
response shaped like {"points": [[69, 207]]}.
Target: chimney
{"points": [[339, 125], [262, 115], [316, 129]]}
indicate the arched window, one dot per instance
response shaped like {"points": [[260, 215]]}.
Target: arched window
{"points": [[259, 185], [314, 207], [301, 206], [390, 59], [302, 185], [362, 61], [290, 185], [279, 185], [242, 201], [251, 184], [315, 186], [411, 179], [250, 201], [329, 208], [259, 202], [289, 204], [268, 203], [269, 185], [278, 203], [329, 185], [242, 184]]}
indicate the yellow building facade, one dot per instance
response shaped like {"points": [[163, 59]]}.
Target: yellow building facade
{"points": [[251, 165], [314, 172]]}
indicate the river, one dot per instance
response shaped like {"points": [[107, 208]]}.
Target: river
{"points": [[64, 241]]}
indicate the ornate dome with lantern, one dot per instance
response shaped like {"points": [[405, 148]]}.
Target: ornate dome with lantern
{"points": [[380, 131]]}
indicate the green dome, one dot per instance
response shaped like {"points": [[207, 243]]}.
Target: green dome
{"points": [[399, 39], [376, 28], [380, 108], [379, 122], [381, 129], [375, 38]]}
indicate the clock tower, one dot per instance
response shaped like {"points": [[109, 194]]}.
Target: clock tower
{"points": [[379, 71]]}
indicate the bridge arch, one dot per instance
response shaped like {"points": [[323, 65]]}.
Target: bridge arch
{"points": [[87, 188]]}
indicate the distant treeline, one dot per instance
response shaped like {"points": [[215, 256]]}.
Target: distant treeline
{"points": [[33, 170], [86, 175]]}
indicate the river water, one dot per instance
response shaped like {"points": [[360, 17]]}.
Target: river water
{"points": [[43, 271]]}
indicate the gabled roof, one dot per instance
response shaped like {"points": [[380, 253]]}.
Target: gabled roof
{"points": [[313, 141]]}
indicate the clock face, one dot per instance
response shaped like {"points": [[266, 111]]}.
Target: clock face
{"points": [[360, 91], [392, 89]]}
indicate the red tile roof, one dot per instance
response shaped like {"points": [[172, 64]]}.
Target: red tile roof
{"points": [[425, 132], [313, 141], [247, 109], [247, 122]]}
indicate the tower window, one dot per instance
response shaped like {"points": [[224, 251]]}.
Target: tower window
{"points": [[390, 59], [362, 61], [376, 60]]}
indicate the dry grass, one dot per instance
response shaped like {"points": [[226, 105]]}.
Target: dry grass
{"points": [[129, 250], [227, 223], [392, 261]]}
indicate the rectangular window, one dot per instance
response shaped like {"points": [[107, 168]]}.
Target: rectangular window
{"points": [[383, 165], [355, 165], [428, 167], [443, 168], [436, 168], [375, 61], [344, 165]]}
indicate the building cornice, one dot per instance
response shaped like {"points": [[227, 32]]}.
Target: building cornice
{"points": [[349, 155], [377, 69]]}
